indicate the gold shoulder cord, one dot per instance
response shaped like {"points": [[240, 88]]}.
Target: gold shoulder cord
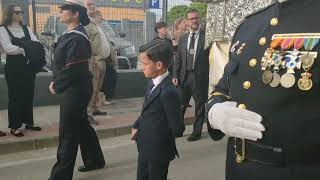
{"points": [[242, 157], [219, 94]]}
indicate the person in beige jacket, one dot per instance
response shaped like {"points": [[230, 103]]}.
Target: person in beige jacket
{"points": [[100, 46], [111, 62]]}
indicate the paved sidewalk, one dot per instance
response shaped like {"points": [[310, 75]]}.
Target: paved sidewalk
{"points": [[121, 114]]}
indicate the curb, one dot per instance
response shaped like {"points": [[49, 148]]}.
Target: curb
{"points": [[37, 143]]}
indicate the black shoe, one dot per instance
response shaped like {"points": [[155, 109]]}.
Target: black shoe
{"points": [[186, 106], [2, 134], [16, 132], [194, 137], [92, 120], [99, 113], [90, 168], [33, 128]]}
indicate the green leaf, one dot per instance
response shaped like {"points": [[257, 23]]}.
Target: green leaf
{"points": [[180, 11]]}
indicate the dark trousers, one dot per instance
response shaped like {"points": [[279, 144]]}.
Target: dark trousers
{"points": [[110, 81], [152, 170], [21, 82], [76, 130], [199, 92]]}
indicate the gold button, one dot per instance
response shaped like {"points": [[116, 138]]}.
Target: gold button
{"points": [[242, 106], [253, 62], [262, 41], [246, 85], [274, 21]]}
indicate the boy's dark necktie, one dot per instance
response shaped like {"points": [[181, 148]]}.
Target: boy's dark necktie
{"points": [[151, 85]]}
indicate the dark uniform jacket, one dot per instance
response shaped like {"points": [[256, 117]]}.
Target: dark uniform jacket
{"points": [[160, 123], [167, 39], [71, 55], [36, 54], [181, 64], [290, 115], [34, 50]]}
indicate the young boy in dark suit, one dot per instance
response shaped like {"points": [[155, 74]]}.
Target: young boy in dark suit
{"points": [[161, 118]]}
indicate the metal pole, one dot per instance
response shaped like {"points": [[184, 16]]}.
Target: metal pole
{"points": [[34, 18], [164, 10]]}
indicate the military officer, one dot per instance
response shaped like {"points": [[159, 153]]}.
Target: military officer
{"points": [[267, 101]]}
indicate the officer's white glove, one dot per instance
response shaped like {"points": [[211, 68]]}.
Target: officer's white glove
{"points": [[236, 122]]}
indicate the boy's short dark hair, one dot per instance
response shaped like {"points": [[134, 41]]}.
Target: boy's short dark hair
{"points": [[158, 50], [160, 25]]}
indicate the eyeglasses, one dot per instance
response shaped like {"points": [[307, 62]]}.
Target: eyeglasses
{"points": [[18, 12], [195, 18]]}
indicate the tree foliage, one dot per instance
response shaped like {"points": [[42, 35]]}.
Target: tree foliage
{"points": [[180, 11], [201, 7], [177, 11]]}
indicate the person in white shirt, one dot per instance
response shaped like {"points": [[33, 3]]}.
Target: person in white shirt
{"points": [[19, 77]]}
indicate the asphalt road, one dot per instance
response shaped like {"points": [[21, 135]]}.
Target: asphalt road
{"points": [[200, 160]]}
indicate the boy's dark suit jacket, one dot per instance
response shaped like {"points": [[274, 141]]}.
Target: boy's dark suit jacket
{"points": [[159, 123]]}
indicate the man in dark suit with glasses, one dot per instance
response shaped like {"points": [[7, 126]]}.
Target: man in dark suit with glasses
{"points": [[191, 71]]}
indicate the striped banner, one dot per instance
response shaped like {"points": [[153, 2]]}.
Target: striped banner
{"points": [[287, 43], [298, 43], [276, 43], [310, 43]]}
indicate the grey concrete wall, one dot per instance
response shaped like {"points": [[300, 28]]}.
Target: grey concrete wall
{"points": [[130, 84], [148, 26], [134, 32]]}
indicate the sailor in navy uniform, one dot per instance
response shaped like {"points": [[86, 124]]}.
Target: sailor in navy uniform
{"points": [[267, 101], [72, 80]]}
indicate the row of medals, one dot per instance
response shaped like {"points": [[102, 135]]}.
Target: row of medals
{"points": [[275, 61]]}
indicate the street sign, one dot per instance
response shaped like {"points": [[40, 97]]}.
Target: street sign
{"points": [[154, 4]]}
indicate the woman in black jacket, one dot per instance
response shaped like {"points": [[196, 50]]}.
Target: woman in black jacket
{"points": [[19, 76], [72, 80]]}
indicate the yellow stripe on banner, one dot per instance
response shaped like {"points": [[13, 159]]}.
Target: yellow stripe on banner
{"points": [[211, 55]]}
